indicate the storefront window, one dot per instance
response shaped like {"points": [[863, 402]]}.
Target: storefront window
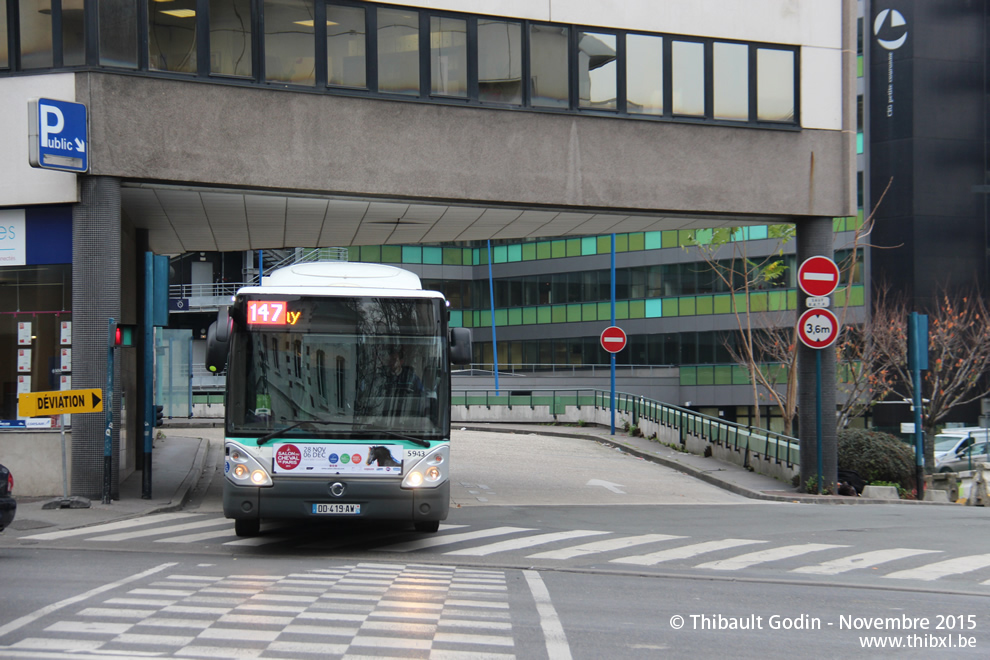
{"points": [[32, 339], [36, 34], [644, 74], [289, 45], [548, 66], [230, 37], [499, 62], [398, 51], [346, 44], [118, 33], [448, 56]]}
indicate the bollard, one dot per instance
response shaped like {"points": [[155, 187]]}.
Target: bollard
{"points": [[978, 495], [947, 481]]}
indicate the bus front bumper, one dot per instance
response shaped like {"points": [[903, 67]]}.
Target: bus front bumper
{"points": [[294, 498]]}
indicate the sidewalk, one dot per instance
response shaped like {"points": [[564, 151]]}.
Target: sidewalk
{"points": [[176, 464], [178, 461]]}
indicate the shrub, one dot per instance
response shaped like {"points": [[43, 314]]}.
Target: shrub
{"points": [[876, 456]]}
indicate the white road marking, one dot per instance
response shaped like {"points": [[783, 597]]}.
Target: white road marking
{"points": [[109, 527], [684, 552], [48, 609], [448, 539], [941, 569], [525, 542], [553, 631], [862, 560], [158, 530], [603, 546], [763, 556]]}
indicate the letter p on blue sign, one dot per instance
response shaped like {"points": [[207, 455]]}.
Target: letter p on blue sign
{"points": [[58, 135]]}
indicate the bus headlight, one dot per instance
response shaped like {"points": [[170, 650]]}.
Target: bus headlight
{"points": [[428, 471], [243, 469]]}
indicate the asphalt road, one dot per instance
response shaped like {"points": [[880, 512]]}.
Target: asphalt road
{"points": [[554, 548]]}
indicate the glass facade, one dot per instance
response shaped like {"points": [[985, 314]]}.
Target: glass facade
{"points": [[398, 51], [347, 65], [289, 37], [230, 37], [118, 30], [172, 36], [416, 54], [499, 61], [644, 74]]}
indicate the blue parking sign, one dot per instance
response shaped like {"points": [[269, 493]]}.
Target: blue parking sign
{"points": [[59, 135]]}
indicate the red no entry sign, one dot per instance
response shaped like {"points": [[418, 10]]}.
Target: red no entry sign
{"points": [[613, 339], [818, 276], [818, 328]]}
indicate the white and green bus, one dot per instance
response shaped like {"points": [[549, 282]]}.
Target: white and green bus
{"points": [[337, 396]]}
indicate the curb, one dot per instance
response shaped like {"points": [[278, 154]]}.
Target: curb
{"points": [[707, 477], [181, 495]]}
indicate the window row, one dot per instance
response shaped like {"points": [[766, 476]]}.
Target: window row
{"points": [[635, 283], [393, 50], [673, 349]]}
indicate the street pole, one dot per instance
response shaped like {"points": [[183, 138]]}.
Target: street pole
{"points": [[613, 325]]}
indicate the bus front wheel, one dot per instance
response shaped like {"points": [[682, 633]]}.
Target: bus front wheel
{"points": [[428, 526], [247, 527]]}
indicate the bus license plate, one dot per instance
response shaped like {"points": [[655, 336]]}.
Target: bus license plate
{"points": [[338, 509]]}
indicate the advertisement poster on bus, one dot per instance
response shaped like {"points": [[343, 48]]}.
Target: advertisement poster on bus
{"points": [[306, 458]]}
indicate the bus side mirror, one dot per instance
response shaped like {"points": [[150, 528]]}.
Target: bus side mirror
{"points": [[460, 346], [218, 342]]}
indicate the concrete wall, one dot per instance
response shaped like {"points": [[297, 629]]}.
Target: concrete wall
{"points": [[35, 460], [177, 131]]}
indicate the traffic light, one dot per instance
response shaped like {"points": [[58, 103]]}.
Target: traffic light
{"points": [[122, 335], [159, 415]]}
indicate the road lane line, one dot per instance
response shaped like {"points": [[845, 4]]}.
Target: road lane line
{"points": [[48, 609], [553, 630]]}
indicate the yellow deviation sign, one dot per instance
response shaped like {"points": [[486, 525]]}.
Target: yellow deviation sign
{"points": [[35, 404]]}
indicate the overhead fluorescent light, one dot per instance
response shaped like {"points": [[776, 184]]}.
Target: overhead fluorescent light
{"points": [[310, 22], [179, 13]]}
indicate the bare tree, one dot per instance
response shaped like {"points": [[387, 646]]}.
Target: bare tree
{"points": [[958, 355], [742, 275], [774, 347]]}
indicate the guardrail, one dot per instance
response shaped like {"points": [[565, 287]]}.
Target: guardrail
{"points": [[649, 416]]}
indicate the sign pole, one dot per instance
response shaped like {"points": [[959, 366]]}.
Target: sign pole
{"points": [[613, 324], [818, 414], [108, 430]]}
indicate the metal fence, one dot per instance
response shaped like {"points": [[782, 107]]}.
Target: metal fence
{"points": [[764, 443]]}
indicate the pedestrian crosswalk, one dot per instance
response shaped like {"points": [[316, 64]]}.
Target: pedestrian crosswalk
{"points": [[536, 545]]}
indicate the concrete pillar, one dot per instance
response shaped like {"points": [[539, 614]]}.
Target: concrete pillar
{"points": [[95, 298], [814, 237]]}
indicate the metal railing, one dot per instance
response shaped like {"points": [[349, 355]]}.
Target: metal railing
{"points": [[763, 443]]}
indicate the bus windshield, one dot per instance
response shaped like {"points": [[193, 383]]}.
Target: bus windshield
{"points": [[355, 367]]}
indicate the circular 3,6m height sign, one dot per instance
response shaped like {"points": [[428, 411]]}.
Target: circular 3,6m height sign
{"points": [[818, 328]]}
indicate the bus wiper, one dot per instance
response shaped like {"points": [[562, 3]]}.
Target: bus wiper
{"points": [[399, 436], [296, 424]]}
